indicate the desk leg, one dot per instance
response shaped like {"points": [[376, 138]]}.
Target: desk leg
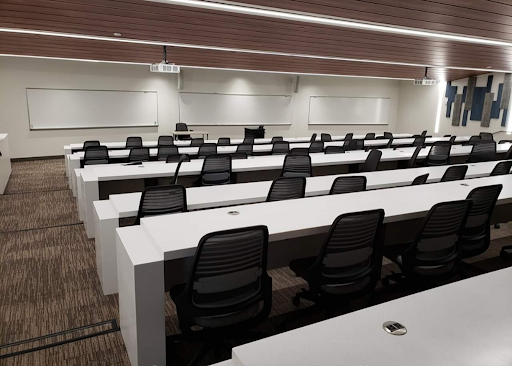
{"points": [[72, 164], [90, 193], [106, 258], [79, 198]]}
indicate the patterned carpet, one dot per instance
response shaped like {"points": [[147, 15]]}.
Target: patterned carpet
{"points": [[48, 279]]}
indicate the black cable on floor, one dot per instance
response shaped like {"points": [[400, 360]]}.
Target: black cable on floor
{"points": [[54, 190], [40, 228]]}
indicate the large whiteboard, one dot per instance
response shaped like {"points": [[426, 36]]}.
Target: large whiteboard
{"points": [[348, 111], [69, 109], [235, 109]]}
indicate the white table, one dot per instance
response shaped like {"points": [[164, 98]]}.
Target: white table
{"points": [[5, 162], [142, 250], [108, 212], [466, 323]]}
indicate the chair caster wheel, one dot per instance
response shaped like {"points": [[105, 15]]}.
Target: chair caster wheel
{"points": [[497, 226], [503, 254], [385, 282], [296, 300]]}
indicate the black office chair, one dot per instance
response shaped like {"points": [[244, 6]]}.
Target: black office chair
{"points": [[224, 141], [183, 158], [456, 172], [182, 127], [228, 291], [411, 163], [473, 140], [165, 141], [248, 141], [435, 252], [452, 139], [316, 147], [177, 158], [207, 149], [348, 137], [287, 188], [196, 142], [508, 155], [439, 154], [238, 156], [245, 148], [91, 143], [422, 179], [389, 144], [372, 161], [299, 151], [138, 154], [325, 137], [313, 138], [276, 138], [343, 185], [216, 170], [359, 144], [297, 166], [388, 135], [485, 150], [419, 142], [348, 265], [334, 150], [424, 134], [370, 136], [95, 155], [165, 150], [280, 148], [486, 136], [133, 142], [161, 200], [350, 145], [502, 168]]}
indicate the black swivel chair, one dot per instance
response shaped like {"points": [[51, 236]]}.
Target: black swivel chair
{"points": [[456, 172], [138, 154], [419, 142], [248, 141], [452, 139], [182, 127], [183, 158], [216, 170], [473, 140], [91, 143], [424, 134], [245, 148], [196, 142], [161, 200], [228, 291], [325, 137], [313, 138], [411, 163], [177, 158], [350, 145], [276, 138], [486, 136], [133, 142], [343, 185], [388, 135], [360, 144], [348, 137], [502, 168], [95, 155], [483, 151], [224, 141], [316, 147], [299, 151], [389, 144], [166, 150], [439, 154], [422, 179], [165, 141], [238, 156], [348, 265], [370, 136], [508, 155], [287, 188], [280, 148], [372, 161], [435, 252], [207, 149], [334, 150], [297, 166]]}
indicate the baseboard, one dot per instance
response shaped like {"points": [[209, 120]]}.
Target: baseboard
{"points": [[39, 158]]}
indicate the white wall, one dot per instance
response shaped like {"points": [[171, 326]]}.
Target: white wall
{"points": [[17, 74]]}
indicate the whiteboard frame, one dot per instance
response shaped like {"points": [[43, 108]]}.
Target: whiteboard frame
{"points": [[237, 124], [342, 124], [91, 128]]}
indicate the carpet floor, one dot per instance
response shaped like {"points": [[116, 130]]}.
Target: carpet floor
{"points": [[49, 284]]}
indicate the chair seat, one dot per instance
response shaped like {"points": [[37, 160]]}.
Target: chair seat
{"points": [[228, 319], [425, 270], [300, 266]]}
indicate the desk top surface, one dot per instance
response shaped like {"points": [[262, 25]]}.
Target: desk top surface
{"points": [[466, 323]]}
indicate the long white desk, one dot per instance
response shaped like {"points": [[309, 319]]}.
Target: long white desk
{"points": [[108, 212], [5, 162], [142, 251], [466, 323]]}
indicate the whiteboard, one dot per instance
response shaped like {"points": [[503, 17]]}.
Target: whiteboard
{"points": [[348, 111], [235, 109], [68, 109]]}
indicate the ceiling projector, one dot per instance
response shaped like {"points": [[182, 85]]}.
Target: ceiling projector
{"points": [[426, 80], [165, 67]]}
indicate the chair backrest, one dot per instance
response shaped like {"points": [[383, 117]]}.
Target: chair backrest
{"points": [[452, 139], [196, 142], [224, 141], [276, 138], [316, 147], [350, 261], [348, 136], [181, 126], [422, 179], [161, 200], [325, 137], [486, 136], [165, 141], [297, 166], [313, 138], [473, 140], [350, 145], [389, 144], [334, 149], [96, 155], [348, 185], [485, 150], [436, 250], [207, 149], [502, 168], [216, 170], [456, 172], [239, 156], [280, 147], [388, 135], [508, 155], [372, 161], [439, 153], [133, 142], [370, 136], [245, 148], [359, 144], [248, 141], [299, 151], [91, 143], [138, 154], [411, 163], [287, 188], [424, 133], [182, 159], [228, 284], [419, 142], [166, 150], [177, 158]]}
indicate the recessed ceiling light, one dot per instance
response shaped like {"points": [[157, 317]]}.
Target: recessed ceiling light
{"points": [[117, 34]]}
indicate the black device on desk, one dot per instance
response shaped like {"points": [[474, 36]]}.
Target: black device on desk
{"points": [[257, 133]]}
